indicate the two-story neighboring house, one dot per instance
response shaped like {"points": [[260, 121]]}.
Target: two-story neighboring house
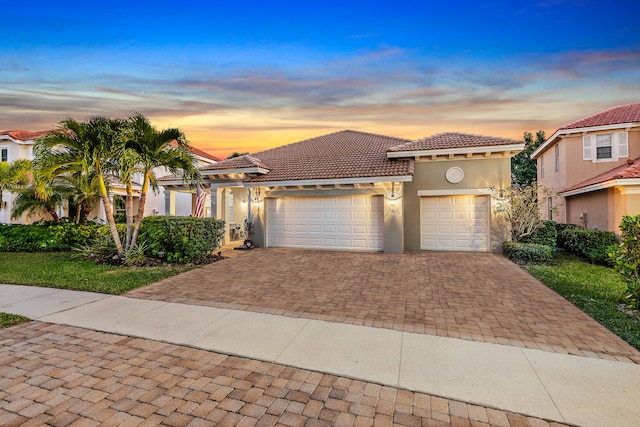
{"points": [[592, 167]]}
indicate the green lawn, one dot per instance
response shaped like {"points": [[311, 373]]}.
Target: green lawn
{"points": [[7, 320], [59, 270], [595, 289]]}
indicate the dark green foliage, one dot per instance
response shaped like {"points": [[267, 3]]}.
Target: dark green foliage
{"points": [[45, 236], [546, 235], [560, 228], [181, 239], [527, 253], [626, 258], [594, 245], [524, 170]]}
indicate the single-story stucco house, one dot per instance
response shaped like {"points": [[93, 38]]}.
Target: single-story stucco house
{"points": [[352, 190]]}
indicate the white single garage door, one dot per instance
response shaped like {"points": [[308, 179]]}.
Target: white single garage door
{"points": [[344, 222], [454, 223]]}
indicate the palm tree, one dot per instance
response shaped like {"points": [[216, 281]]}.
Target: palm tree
{"points": [[85, 148], [14, 176], [167, 149], [28, 201]]}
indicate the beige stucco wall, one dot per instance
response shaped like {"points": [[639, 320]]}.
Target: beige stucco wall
{"points": [[604, 208], [479, 173]]}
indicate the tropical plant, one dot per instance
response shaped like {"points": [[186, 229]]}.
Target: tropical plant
{"points": [[86, 148], [30, 202], [14, 176], [166, 150]]}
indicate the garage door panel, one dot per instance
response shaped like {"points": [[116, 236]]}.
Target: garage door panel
{"points": [[348, 222], [454, 223]]}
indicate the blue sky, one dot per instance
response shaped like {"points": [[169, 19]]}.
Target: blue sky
{"points": [[248, 75]]}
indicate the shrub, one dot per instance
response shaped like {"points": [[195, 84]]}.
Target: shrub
{"points": [[626, 257], [546, 235], [560, 229], [530, 253], [591, 244], [181, 239], [45, 236]]}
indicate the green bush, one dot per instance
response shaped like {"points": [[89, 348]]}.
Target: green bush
{"points": [[45, 236], [626, 257], [561, 228], [594, 245], [529, 253], [181, 239], [546, 235]]}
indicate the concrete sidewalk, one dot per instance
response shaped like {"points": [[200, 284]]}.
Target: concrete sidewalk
{"points": [[570, 389]]}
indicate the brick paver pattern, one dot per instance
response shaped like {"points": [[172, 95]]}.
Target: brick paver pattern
{"points": [[472, 296], [59, 375]]}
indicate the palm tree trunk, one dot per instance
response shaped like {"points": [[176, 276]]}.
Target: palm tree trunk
{"points": [[52, 211], [109, 213], [140, 215], [129, 214]]}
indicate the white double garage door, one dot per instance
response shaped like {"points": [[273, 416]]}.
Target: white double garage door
{"points": [[459, 223], [344, 222]]}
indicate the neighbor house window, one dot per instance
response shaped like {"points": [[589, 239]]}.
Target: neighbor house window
{"points": [[557, 158], [541, 166], [4, 154], [550, 208], [604, 146]]}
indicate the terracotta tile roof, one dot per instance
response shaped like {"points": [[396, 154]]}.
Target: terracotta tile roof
{"points": [[621, 114], [453, 140], [339, 155], [23, 135], [240, 162], [628, 170]]}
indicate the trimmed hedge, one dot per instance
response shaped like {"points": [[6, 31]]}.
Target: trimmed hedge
{"points": [[45, 236], [560, 228], [594, 245], [181, 239], [546, 235], [529, 253]]}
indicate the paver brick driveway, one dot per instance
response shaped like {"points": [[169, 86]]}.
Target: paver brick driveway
{"points": [[63, 376], [473, 296]]}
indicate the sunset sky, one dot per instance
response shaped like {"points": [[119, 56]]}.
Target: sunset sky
{"points": [[244, 75]]}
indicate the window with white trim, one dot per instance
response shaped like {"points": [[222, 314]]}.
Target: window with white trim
{"points": [[4, 154], [605, 147], [541, 167], [549, 208], [557, 157]]}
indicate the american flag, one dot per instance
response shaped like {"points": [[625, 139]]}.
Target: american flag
{"points": [[200, 197]]}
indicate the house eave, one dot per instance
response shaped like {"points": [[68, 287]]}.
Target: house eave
{"points": [[453, 151], [337, 181], [601, 186]]}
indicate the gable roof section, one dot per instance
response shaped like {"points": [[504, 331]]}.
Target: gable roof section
{"points": [[629, 170], [616, 115], [613, 118], [452, 142], [343, 155], [23, 135]]}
